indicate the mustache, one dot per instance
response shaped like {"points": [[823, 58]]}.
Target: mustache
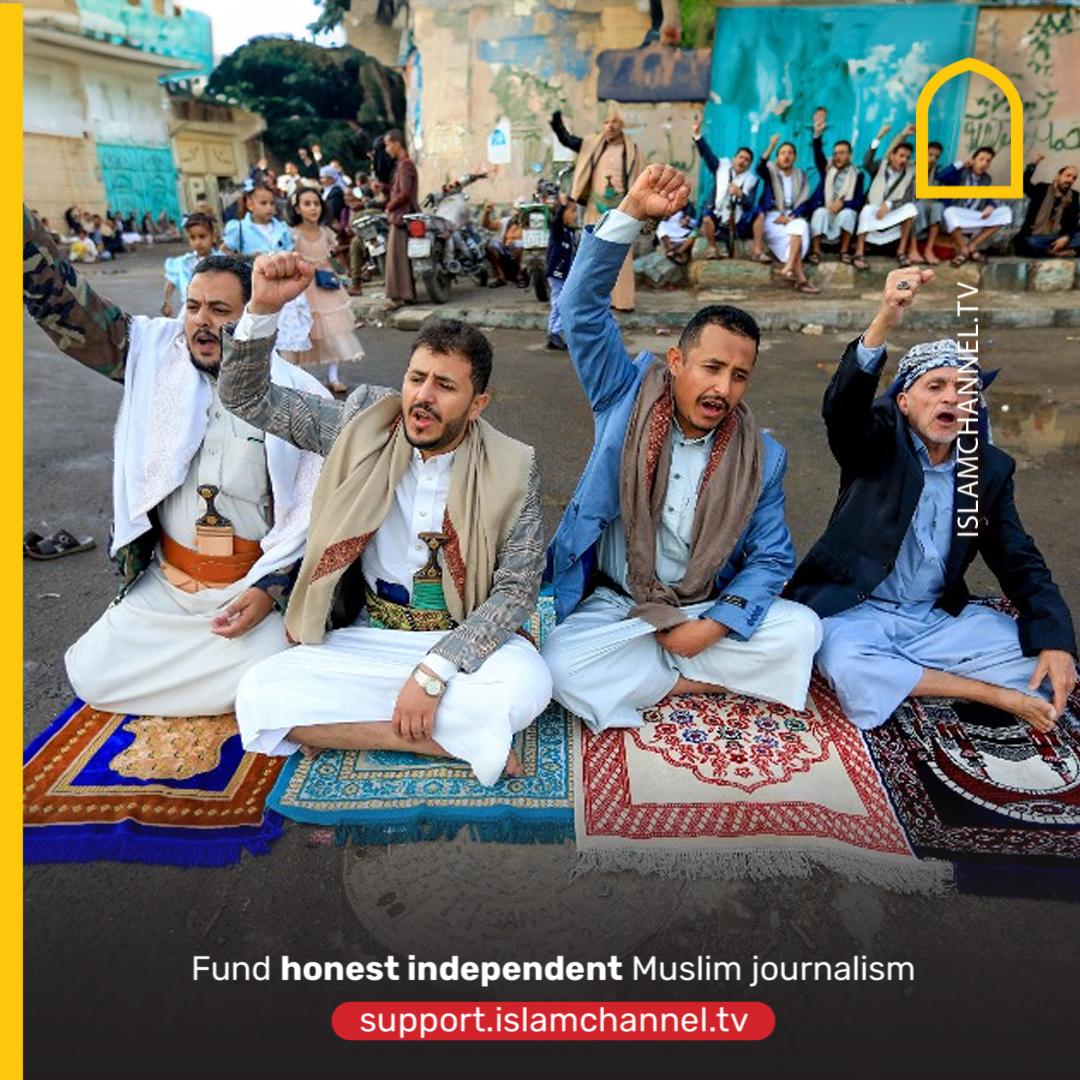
{"points": [[205, 333], [424, 407]]}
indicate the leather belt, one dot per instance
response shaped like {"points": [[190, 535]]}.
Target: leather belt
{"points": [[212, 569]]}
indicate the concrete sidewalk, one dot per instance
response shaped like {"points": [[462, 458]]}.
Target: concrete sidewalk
{"points": [[1013, 292]]}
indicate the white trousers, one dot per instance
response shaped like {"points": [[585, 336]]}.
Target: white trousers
{"points": [[153, 653], [971, 221], [779, 237], [356, 674], [887, 229], [606, 666], [830, 226]]}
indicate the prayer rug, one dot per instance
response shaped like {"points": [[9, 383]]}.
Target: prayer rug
{"points": [[386, 797], [986, 790], [729, 786], [179, 792]]}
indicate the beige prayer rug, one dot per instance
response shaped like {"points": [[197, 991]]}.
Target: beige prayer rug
{"points": [[729, 786]]}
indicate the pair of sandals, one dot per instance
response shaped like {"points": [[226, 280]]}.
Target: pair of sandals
{"points": [[963, 257], [61, 543], [806, 287]]}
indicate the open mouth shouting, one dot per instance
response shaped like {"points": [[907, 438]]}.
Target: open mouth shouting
{"points": [[714, 409], [423, 416], [205, 340]]}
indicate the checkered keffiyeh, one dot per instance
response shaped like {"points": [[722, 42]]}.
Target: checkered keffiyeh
{"points": [[928, 355]]}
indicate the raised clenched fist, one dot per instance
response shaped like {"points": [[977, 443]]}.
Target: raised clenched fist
{"points": [[901, 288], [277, 278], [657, 193]]}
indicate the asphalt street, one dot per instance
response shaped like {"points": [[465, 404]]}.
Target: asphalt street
{"points": [[110, 944]]}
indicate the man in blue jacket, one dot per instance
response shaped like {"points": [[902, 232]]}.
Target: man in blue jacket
{"points": [[669, 560]]}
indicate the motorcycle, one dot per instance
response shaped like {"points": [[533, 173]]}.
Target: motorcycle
{"points": [[535, 221], [373, 230], [443, 243]]}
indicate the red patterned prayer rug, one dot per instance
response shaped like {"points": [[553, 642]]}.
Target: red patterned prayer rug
{"points": [[732, 786], [985, 790], [100, 785]]}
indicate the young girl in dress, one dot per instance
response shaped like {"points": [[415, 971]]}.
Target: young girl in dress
{"points": [[199, 230], [333, 331], [259, 231]]}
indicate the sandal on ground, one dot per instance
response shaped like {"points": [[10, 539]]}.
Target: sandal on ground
{"points": [[712, 253], [860, 263], [787, 275], [496, 284], [61, 543], [903, 261], [978, 257], [806, 287], [845, 258], [959, 260], [813, 259], [763, 258]]}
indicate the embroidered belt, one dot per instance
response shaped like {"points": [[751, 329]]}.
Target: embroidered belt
{"points": [[386, 615], [212, 569]]}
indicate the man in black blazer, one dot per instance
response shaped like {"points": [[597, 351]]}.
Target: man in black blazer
{"points": [[922, 491]]}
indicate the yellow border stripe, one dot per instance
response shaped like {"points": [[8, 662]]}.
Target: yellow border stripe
{"points": [[11, 642]]}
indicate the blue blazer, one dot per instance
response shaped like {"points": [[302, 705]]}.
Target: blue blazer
{"points": [[958, 176], [764, 556]]}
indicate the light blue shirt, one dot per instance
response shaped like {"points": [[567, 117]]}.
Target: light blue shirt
{"points": [[245, 237], [689, 457], [918, 578]]}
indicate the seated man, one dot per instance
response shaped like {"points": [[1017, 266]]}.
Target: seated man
{"points": [[838, 197], [669, 560], [730, 215], [1052, 223], [424, 555], [197, 605], [889, 213], [976, 218], [922, 491], [929, 212], [785, 208], [676, 235]]}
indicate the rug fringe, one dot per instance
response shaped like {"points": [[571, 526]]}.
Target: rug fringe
{"points": [[927, 877], [509, 829]]}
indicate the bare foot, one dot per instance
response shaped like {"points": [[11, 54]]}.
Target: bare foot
{"points": [[1038, 713], [915, 258], [931, 258], [310, 752], [513, 765]]}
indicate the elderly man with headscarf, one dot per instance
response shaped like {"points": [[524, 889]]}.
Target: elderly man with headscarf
{"points": [[922, 491], [608, 163]]}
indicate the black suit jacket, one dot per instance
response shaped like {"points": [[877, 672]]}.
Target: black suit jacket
{"points": [[881, 479]]}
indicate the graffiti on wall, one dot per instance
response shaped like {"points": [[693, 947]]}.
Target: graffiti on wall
{"points": [[865, 64], [1038, 51], [654, 73]]}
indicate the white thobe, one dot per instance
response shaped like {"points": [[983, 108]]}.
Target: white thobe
{"points": [[606, 666], [357, 672], [153, 653], [780, 237]]}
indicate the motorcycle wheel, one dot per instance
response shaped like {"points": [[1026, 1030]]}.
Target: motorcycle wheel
{"points": [[437, 284], [540, 285]]}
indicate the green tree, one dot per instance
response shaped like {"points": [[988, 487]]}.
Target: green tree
{"points": [[340, 98]]}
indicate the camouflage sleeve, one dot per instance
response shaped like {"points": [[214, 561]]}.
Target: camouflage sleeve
{"points": [[82, 324]]}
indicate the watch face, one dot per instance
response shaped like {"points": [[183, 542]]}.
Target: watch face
{"points": [[432, 687]]}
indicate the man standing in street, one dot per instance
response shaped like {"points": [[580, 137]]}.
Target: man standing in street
{"points": [[402, 200]]}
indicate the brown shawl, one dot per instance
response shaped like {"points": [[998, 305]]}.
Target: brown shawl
{"points": [[488, 484], [730, 488], [592, 147]]}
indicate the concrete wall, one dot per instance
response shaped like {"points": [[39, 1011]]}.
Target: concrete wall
{"points": [[1039, 50], [59, 172], [476, 64]]}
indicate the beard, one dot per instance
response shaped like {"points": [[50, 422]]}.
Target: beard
{"points": [[449, 434]]}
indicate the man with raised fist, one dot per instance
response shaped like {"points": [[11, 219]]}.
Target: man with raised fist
{"points": [[922, 491], [671, 555], [424, 555]]}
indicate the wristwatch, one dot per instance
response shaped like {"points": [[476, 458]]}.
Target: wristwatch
{"points": [[432, 685]]}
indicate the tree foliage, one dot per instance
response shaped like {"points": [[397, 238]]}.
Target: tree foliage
{"points": [[340, 98]]}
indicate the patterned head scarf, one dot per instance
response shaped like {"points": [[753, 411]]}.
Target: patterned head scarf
{"points": [[929, 355]]}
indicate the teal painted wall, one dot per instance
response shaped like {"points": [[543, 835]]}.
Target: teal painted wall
{"points": [[188, 36], [139, 178], [865, 64]]}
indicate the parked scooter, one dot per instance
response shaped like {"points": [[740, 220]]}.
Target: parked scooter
{"points": [[535, 221], [444, 243], [373, 230]]}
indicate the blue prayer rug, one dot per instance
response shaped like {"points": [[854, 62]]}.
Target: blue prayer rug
{"points": [[386, 797], [148, 789]]}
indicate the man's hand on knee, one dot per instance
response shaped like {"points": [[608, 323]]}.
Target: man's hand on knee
{"points": [[1060, 668], [243, 614], [414, 711], [691, 637]]}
